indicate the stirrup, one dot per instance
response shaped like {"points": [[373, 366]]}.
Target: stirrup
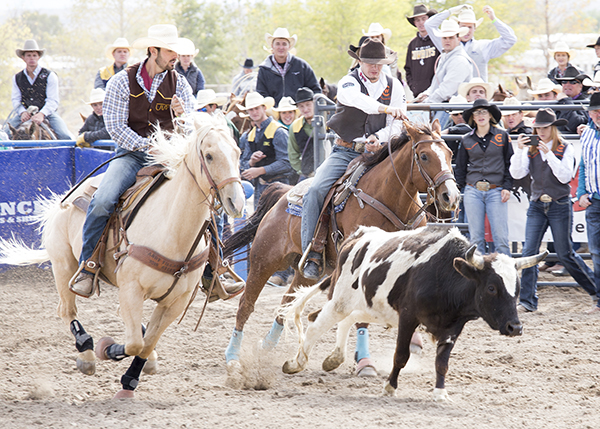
{"points": [[94, 279]]}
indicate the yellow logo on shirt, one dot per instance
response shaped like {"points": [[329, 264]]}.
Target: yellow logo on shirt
{"points": [[161, 107]]}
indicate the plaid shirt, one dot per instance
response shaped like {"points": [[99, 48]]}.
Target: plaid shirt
{"points": [[116, 106]]}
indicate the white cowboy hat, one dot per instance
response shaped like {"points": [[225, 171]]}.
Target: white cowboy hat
{"points": [[561, 46], [593, 83], [457, 99], [30, 46], [208, 96], [510, 101], [159, 36], [450, 27], [281, 33], [545, 85], [96, 96], [120, 43], [254, 99], [286, 104], [376, 29], [187, 47], [467, 16], [465, 87]]}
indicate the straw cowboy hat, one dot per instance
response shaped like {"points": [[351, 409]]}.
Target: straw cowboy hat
{"points": [[187, 47], [159, 36], [420, 10], [281, 33], [545, 85], [96, 96], [457, 99], [208, 96], [254, 99], [30, 46], [373, 52], [376, 29], [546, 117], [593, 83], [450, 27], [286, 104], [482, 103], [467, 16], [511, 101], [561, 46], [465, 87], [593, 45], [120, 43]]}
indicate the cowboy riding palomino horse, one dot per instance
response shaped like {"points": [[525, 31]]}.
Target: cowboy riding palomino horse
{"points": [[385, 196], [204, 167]]}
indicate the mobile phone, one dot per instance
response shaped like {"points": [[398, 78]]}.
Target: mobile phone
{"points": [[535, 139]]}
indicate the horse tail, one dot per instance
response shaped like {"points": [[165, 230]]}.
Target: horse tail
{"points": [[245, 235]]}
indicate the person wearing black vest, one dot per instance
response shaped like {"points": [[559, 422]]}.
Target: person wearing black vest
{"points": [[136, 99], [36, 86], [368, 103], [481, 171], [551, 165], [300, 142]]}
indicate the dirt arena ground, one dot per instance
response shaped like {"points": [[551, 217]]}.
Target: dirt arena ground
{"points": [[549, 377]]}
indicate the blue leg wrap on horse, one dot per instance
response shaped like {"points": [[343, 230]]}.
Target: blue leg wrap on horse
{"points": [[273, 336], [116, 352], [131, 378], [83, 340], [232, 352], [362, 344]]}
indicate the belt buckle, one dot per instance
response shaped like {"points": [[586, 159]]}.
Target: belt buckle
{"points": [[359, 147], [482, 186], [546, 198]]}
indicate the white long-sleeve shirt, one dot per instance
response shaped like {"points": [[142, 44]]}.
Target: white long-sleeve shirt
{"points": [[52, 99], [563, 169]]}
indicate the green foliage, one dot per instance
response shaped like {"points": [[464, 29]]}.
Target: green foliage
{"points": [[12, 36]]}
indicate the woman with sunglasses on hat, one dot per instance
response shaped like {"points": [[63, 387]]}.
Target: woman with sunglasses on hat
{"points": [[550, 162], [482, 173]]}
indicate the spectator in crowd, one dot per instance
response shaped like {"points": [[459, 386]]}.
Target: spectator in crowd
{"points": [[480, 51], [281, 73], [573, 91], [482, 165], [376, 31], [588, 190], [36, 86], [93, 128], [594, 85], [186, 67], [458, 125], [286, 112], [264, 158], [421, 54], [476, 88], [118, 52], [208, 101], [546, 90], [300, 142], [513, 119], [245, 81], [562, 55], [550, 164], [596, 46]]}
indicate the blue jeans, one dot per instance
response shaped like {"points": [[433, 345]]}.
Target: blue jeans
{"points": [[558, 215], [119, 176], [326, 175], [56, 123], [592, 218], [477, 205]]}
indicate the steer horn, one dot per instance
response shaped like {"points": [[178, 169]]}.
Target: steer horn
{"points": [[530, 261], [474, 259]]}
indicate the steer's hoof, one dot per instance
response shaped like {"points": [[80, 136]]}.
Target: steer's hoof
{"points": [[151, 364], [124, 394], [86, 362], [388, 390], [101, 347]]}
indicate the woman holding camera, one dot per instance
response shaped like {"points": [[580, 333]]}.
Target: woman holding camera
{"points": [[550, 161]]}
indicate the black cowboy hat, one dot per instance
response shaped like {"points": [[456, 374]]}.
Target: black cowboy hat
{"points": [[482, 103], [420, 10], [546, 117], [571, 73], [594, 101], [593, 45], [360, 43], [373, 52], [304, 94], [249, 63]]}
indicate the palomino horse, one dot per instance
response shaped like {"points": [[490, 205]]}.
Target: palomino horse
{"points": [[204, 166], [417, 161]]}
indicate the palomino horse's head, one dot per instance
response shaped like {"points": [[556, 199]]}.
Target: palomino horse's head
{"points": [[432, 165]]}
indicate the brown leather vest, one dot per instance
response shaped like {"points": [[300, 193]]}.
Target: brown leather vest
{"points": [[143, 115]]}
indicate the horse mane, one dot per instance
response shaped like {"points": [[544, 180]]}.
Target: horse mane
{"points": [[396, 143], [171, 148]]}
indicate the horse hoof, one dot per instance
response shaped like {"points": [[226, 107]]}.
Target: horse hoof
{"points": [[151, 364], [366, 368], [101, 347], [416, 350], [86, 362], [124, 394], [332, 362], [234, 367], [291, 367]]}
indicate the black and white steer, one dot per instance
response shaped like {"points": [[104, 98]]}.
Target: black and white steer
{"points": [[430, 276]]}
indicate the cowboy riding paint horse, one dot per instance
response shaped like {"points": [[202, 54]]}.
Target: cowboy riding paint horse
{"points": [[29, 130], [204, 168]]}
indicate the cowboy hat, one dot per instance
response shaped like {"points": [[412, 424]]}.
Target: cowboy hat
{"points": [[546, 117], [572, 74], [376, 29], [304, 94], [281, 33], [208, 96], [30, 46], [248, 64], [561, 46], [360, 43], [187, 47], [545, 85], [373, 52], [593, 45], [254, 99], [594, 101], [120, 43], [457, 99], [482, 103], [510, 101], [467, 16], [96, 96], [159, 36], [286, 104], [420, 10], [465, 87], [593, 83], [450, 27]]}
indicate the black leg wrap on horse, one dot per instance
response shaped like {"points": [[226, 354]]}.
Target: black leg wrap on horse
{"points": [[116, 352], [131, 378], [83, 340]]}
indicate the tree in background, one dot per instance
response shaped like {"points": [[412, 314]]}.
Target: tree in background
{"points": [[12, 36]]}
